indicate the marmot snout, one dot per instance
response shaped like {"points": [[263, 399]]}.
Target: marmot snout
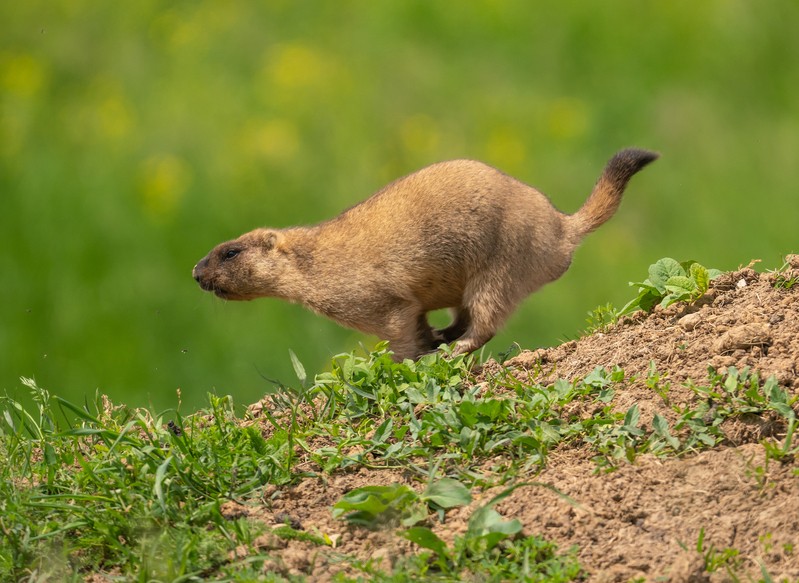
{"points": [[459, 235]]}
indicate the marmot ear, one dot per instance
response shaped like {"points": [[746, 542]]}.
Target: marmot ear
{"points": [[269, 239]]}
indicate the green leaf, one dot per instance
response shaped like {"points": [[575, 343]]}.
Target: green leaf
{"points": [[606, 395], [160, 476], [488, 524], [700, 276], [643, 285], [486, 520], [383, 431], [661, 427], [50, 456], [548, 433], [426, 538], [80, 431], [706, 438], [372, 505], [645, 300], [686, 265], [491, 408], [257, 440], [648, 300], [9, 419], [662, 270], [632, 416], [81, 413], [783, 409], [468, 413], [299, 370], [597, 378], [447, 493], [681, 285]]}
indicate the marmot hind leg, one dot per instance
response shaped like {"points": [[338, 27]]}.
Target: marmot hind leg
{"points": [[488, 309]]}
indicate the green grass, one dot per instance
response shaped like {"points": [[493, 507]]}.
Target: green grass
{"points": [[138, 494], [132, 492], [111, 488]]}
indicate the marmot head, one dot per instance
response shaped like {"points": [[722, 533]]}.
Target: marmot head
{"points": [[245, 268]]}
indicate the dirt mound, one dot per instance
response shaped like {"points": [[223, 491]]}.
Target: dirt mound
{"points": [[713, 515]]}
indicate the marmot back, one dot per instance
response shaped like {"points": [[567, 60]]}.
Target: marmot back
{"points": [[458, 234]]}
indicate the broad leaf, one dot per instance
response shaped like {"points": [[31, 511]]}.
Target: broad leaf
{"points": [[681, 285], [426, 538], [701, 276], [632, 416], [448, 493], [662, 270], [384, 431], [661, 427]]}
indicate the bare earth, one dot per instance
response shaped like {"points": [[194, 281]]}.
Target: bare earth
{"points": [[643, 520]]}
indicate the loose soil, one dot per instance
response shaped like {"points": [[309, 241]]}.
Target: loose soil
{"points": [[644, 519]]}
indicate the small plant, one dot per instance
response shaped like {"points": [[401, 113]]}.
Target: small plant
{"points": [[374, 507], [656, 381], [615, 442], [601, 319], [785, 452], [782, 278], [670, 281], [378, 506], [716, 559], [492, 549]]}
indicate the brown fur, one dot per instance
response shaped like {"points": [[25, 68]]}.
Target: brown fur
{"points": [[459, 235]]}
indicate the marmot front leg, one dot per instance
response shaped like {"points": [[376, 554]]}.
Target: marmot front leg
{"points": [[409, 334]]}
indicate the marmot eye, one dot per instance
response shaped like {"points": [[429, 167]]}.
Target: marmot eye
{"points": [[231, 253]]}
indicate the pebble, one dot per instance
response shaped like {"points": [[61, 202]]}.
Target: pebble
{"points": [[743, 337], [690, 321]]}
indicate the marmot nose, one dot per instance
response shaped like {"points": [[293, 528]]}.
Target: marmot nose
{"points": [[195, 272]]}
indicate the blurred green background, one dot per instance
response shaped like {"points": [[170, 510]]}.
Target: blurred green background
{"points": [[135, 136]]}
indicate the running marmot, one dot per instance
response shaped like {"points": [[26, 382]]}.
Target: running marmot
{"points": [[459, 235]]}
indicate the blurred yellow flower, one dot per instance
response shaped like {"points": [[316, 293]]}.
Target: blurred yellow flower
{"points": [[567, 118], [114, 116], [506, 148], [419, 135], [296, 65], [22, 74], [163, 182], [103, 114], [274, 140]]}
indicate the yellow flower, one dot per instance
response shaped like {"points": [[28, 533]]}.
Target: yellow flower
{"points": [[419, 135], [567, 118], [164, 180], [506, 148], [274, 140], [22, 74], [296, 65]]}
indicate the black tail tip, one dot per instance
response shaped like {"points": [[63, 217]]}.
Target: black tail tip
{"points": [[631, 160]]}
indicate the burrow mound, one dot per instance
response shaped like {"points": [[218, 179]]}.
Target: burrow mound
{"points": [[644, 520]]}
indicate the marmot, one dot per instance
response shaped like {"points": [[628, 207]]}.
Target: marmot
{"points": [[458, 234]]}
